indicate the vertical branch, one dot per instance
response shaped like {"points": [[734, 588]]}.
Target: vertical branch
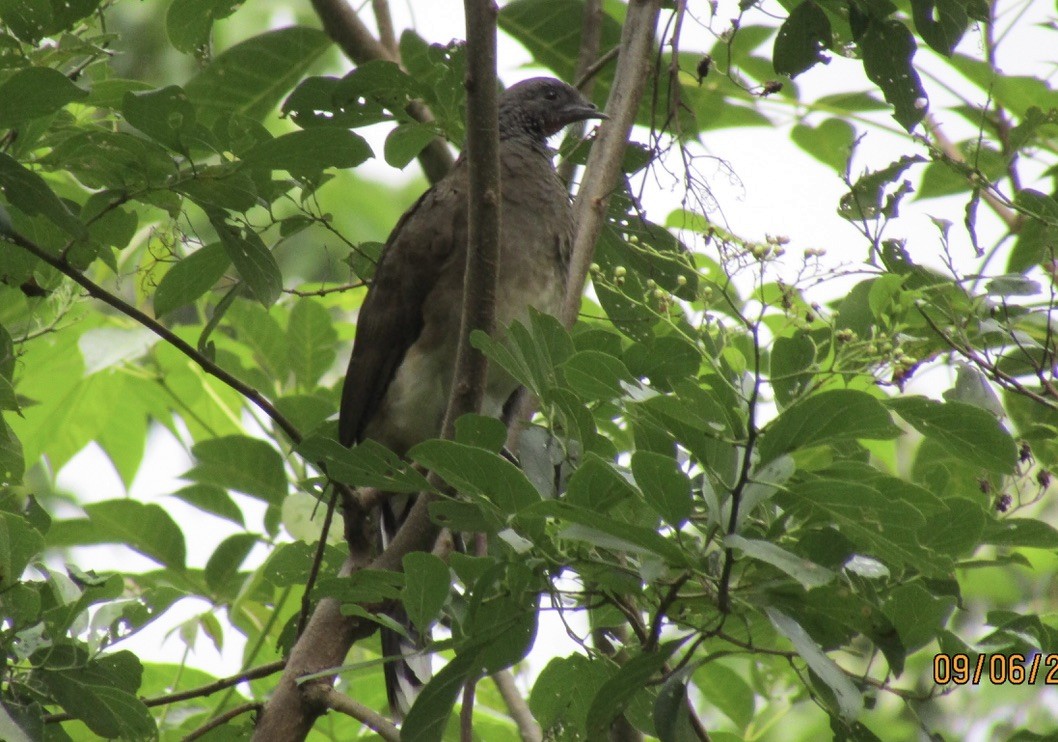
{"points": [[604, 164], [483, 236], [590, 36], [483, 197], [384, 21]]}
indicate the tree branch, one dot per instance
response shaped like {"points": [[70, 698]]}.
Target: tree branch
{"points": [[1010, 218], [528, 727], [98, 292], [603, 171], [590, 34], [262, 671], [221, 720], [344, 26], [293, 709], [384, 21], [327, 696]]}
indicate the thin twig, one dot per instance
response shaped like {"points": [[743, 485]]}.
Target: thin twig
{"points": [[327, 696], [211, 368], [590, 35], [221, 720], [596, 67], [466, 711], [528, 727], [326, 291], [261, 671], [317, 560], [945, 145]]}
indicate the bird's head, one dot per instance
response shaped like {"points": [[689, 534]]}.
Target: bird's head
{"points": [[541, 107]]}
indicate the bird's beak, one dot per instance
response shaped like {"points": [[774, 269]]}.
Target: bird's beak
{"points": [[582, 112]]}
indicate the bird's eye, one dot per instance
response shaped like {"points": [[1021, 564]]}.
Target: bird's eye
{"points": [[551, 94]]}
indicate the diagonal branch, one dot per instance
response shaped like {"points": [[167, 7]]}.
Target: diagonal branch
{"points": [[326, 695], [98, 292], [603, 170], [528, 727], [344, 26]]}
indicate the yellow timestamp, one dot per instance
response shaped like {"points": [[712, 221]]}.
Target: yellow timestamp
{"points": [[997, 669]]}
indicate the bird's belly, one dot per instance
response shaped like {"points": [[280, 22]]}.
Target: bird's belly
{"points": [[415, 402]]}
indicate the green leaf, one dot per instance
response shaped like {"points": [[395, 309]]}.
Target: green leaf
{"points": [[801, 39], [113, 159], [791, 363], [145, 528], [831, 142], [562, 694], [29, 192], [241, 463], [809, 574], [596, 376], [1039, 232], [598, 485], [551, 31], [1024, 532], [213, 500], [940, 23], [311, 342], [38, 91], [917, 615], [367, 464], [429, 714], [252, 77], [106, 710], [223, 564], [963, 430], [482, 431], [850, 701], [191, 277], [664, 485], [32, 20], [253, 260], [306, 152], [426, 585], [616, 692], [888, 59], [478, 473], [607, 533], [727, 691], [189, 22], [671, 715], [827, 416], [20, 542], [868, 198], [405, 142], [289, 564], [881, 524], [165, 115]]}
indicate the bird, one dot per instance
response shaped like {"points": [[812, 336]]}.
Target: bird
{"points": [[400, 372]]}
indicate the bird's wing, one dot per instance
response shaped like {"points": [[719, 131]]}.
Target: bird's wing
{"points": [[430, 234]]}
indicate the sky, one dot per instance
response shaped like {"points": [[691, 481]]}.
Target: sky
{"points": [[761, 184]]}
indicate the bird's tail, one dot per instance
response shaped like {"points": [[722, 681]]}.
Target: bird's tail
{"points": [[408, 667]]}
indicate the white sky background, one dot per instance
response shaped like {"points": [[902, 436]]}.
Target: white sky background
{"points": [[777, 190]]}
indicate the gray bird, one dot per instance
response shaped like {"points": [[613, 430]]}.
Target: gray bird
{"points": [[397, 386]]}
